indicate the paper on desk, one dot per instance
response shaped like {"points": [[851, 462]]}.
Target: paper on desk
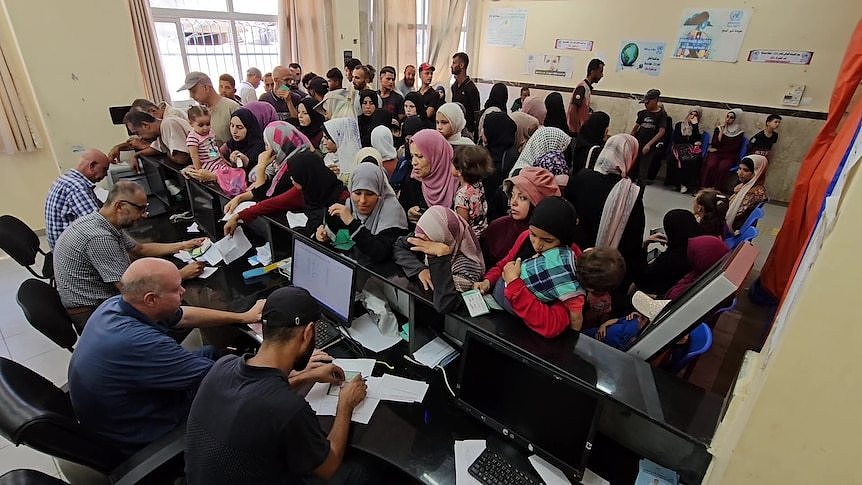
{"points": [[434, 352], [193, 228], [233, 247], [364, 330], [264, 254], [212, 257], [239, 208], [100, 193], [408, 387], [550, 474], [466, 453], [184, 256], [591, 478], [325, 405], [363, 366], [207, 272], [296, 219], [491, 302]]}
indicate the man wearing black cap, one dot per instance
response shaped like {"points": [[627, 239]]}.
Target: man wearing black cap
{"points": [[248, 424], [649, 130]]}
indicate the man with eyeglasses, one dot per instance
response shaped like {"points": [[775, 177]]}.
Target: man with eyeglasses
{"points": [[92, 253]]}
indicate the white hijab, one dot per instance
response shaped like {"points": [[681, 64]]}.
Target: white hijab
{"points": [[734, 128], [345, 133], [381, 139], [455, 114]]}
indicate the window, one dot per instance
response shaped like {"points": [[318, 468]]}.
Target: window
{"points": [[215, 37], [422, 30]]}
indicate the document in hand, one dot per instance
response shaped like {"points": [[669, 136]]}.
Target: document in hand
{"points": [[239, 208]]}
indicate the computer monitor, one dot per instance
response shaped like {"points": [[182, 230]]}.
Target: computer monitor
{"points": [[329, 280], [538, 410], [676, 319], [203, 203]]}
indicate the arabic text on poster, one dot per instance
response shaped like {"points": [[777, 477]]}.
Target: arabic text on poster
{"points": [[549, 65], [642, 56], [714, 34], [781, 57], [507, 27]]}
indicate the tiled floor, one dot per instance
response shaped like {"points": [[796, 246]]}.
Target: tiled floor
{"points": [[717, 370]]}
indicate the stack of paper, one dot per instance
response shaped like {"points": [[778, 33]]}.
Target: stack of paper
{"points": [[325, 404], [434, 353], [364, 330], [650, 473], [296, 219], [228, 248], [394, 388], [239, 208]]}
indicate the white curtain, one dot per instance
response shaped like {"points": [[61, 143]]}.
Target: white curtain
{"points": [[305, 32], [16, 130], [394, 34], [148, 51], [444, 32]]}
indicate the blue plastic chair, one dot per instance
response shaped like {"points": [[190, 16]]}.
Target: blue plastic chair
{"points": [[747, 234], [743, 151], [699, 343], [704, 142]]}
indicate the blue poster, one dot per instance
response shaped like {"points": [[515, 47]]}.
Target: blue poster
{"points": [[642, 56], [711, 34]]}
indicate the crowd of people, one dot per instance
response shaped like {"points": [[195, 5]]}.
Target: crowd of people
{"points": [[534, 204]]}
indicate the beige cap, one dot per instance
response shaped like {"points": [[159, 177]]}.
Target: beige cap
{"points": [[194, 78]]}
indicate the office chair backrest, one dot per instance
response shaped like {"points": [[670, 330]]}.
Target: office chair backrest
{"points": [[699, 343], [18, 240], [29, 477], [41, 304], [34, 412]]}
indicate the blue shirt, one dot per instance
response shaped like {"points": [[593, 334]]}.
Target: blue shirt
{"points": [[129, 381], [70, 197]]}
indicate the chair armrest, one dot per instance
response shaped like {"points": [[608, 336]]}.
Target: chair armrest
{"points": [[154, 455]]}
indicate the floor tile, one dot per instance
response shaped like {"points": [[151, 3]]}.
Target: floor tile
{"points": [[52, 365], [27, 345], [13, 457]]}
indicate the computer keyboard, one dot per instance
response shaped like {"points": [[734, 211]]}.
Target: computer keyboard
{"points": [[325, 335], [491, 468]]}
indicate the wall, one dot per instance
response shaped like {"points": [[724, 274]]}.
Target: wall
{"points": [[347, 31], [76, 68]]}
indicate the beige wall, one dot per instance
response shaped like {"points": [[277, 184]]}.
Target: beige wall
{"points": [[75, 66], [347, 31]]}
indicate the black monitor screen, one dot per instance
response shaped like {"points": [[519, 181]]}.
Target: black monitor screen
{"points": [[510, 393], [206, 215]]}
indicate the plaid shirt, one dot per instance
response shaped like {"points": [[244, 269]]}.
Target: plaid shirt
{"points": [[70, 197], [90, 256], [551, 275]]}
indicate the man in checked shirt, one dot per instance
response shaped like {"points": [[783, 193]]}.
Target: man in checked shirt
{"points": [[71, 195]]}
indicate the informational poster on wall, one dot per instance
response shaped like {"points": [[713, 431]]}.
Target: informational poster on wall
{"points": [[507, 27], [802, 58], [714, 34], [549, 65], [642, 56], [574, 45]]}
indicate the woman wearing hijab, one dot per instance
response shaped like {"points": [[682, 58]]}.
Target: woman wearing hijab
{"points": [[444, 253], [590, 141], [246, 131], [371, 116], [381, 140], [527, 125], [341, 139], [535, 107], [401, 175], [702, 252], [498, 136], [545, 149], [432, 180], [498, 97], [687, 151], [372, 219], [749, 192], [528, 188], [610, 206], [310, 121], [555, 112], [723, 150], [660, 274], [451, 122], [414, 105]]}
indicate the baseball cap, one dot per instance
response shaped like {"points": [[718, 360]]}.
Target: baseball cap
{"points": [[194, 78], [290, 306], [650, 95], [425, 67], [646, 306]]}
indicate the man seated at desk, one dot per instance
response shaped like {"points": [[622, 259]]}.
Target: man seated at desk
{"points": [[169, 134], [92, 253], [248, 424], [129, 381], [158, 111]]}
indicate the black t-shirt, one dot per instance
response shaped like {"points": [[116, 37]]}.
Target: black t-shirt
{"points": [[760, 142], [468, 95], [393, 104], [650, 122], [247, 425]]}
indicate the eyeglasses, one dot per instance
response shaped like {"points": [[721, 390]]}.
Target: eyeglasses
{"points": [[141, 208]]}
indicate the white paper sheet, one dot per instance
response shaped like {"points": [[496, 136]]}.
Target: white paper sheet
{"points": [[233, 247], [466, 453], [591, 478], [296, 219], [100, 193], [325, 405], [491, 302], [550, 474], [264, 254], [433, 352], [364, 330], [239, 208], [363, 366], [193, 228], [184, 256], [402, 386], [208, 271], [212, 257], [475, 303]]}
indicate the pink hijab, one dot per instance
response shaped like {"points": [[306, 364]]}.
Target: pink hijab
{"points": [[617, 157], [439, 186], [442, 224], [702, 252], [535, 107]]}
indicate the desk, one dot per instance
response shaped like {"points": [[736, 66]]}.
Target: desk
{"points": [[645, 413]]}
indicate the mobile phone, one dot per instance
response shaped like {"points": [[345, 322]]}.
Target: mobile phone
{"points": [[200, 250]]}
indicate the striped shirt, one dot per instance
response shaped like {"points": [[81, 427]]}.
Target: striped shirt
{"points": [[70, 197], [90, 256]]}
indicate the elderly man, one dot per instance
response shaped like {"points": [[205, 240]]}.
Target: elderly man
{"points": [[71, 195], [169, 137], [129, 380], [285, 95], [407, 84], [201, 89], [288, 446], [93, 252], [248, 88]]}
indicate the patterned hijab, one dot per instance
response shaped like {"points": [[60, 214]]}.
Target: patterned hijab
{"points": [[345, 133], [439, 186], [760, 165], [285, 140], [545, 149], [441, 224], [617, 157], [388, 212]]}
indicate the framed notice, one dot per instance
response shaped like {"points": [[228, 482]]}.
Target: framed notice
{"points": [[802, 58], [574, 45]]}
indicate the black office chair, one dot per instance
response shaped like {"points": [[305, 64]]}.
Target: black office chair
{"points": [[41, 304], [22, 244], [34, 412], [29, 477]]}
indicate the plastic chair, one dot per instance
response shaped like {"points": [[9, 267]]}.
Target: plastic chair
{"points": [[743, 151], [36, 413], [754, 217], [41, 304], [704, 142], [699, 343], [22, 244], [748, 234]]}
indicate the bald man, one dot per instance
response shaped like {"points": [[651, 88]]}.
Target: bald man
{"points": [[93, 252], [129, 381], [285, 95], [71, 195]]}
